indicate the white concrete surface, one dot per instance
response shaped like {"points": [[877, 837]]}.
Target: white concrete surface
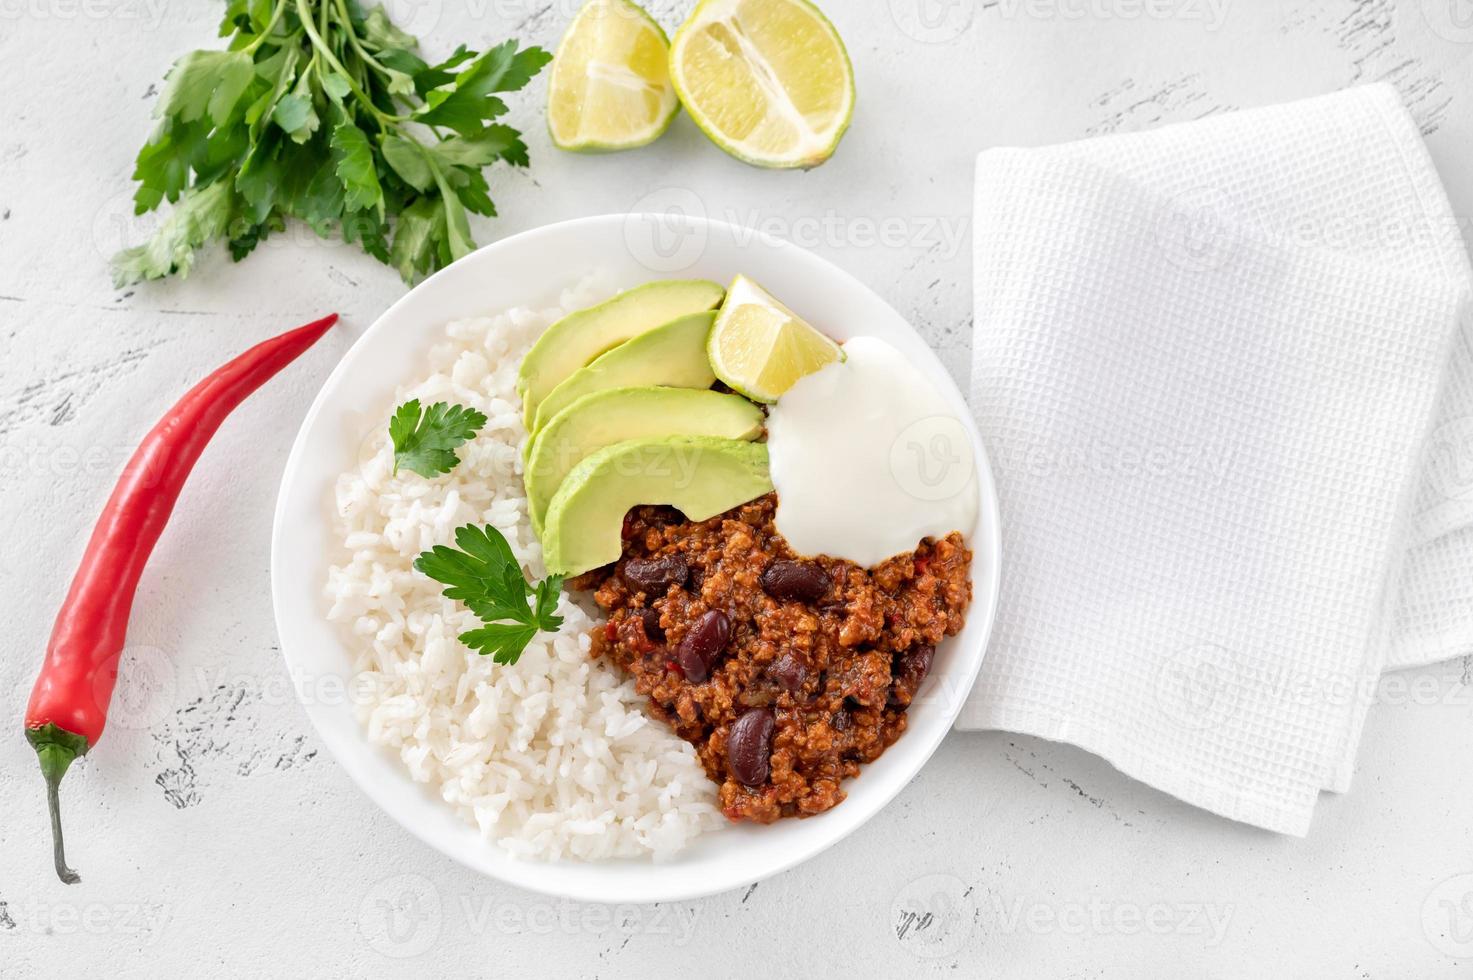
{"points": [[215, 837]]}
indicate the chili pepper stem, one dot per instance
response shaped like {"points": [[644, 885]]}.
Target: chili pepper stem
{"points": [[57, 749], [58, 842]]}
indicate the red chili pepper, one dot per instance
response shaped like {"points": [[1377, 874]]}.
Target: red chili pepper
{"points": [[68, 706]]}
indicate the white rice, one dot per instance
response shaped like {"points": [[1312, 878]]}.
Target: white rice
{"points": [[552, 757]]}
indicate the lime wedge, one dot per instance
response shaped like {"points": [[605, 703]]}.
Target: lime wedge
{"points": [[760, 348], [610, 87], [768, 80]]}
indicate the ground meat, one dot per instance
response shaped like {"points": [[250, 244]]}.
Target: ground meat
{"points": [[837, 672]]}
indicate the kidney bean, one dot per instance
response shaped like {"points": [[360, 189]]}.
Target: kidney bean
{"points": [[916, 662], [909, 670], [796, 581], [650, 619], [789, 672], [749, 747], [654, 575], [703, 644]]}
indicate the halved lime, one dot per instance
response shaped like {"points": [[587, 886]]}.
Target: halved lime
{"points": [[768, 80], [760, 348], [610, 86]]}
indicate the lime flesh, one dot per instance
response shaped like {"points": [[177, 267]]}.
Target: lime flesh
{"points": [[769, 81], [610, 87], [760, 348]]}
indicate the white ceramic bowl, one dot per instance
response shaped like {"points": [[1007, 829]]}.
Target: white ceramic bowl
{"points": [[531, 269]]}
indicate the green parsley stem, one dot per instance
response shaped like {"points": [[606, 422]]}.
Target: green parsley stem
{"points": [[277, 11], [354, 40], [457, 245], [321, 47]]}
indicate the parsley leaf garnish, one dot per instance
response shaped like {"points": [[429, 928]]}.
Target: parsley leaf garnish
{"points": [[323, 111], [485, 576], [425, 441]]}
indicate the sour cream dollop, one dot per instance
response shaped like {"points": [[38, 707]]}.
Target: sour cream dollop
{"points": [[868, 459]]}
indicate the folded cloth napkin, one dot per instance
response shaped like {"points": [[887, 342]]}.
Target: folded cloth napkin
{"points": [[1221, 372]]}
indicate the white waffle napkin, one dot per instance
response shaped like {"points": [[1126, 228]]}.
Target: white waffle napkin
{"points": [[1210, 365]]}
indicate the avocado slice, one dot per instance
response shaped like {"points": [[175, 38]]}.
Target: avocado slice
{"points": [[619, 414], [578, 338], [701, 476], [673, 354]]}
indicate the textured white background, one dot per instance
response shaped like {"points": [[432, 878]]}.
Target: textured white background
{"points": [[216, 838]]}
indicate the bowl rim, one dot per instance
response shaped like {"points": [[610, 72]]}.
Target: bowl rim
{"points": [[532, 874]]}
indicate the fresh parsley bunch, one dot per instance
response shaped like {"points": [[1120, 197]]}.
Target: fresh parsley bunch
{"points": [[486, 577], [321, 110]]}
